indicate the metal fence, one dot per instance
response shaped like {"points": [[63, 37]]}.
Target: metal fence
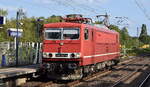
{"points": [[27, 54]]}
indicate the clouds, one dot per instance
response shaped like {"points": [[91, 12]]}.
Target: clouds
{"points": [[54, 6], [69, 1], [90, 1], [9, 8], [43, 1], [95, 1], [75, 6]]}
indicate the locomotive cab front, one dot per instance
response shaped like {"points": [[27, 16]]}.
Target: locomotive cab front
{"points": [[61, 49]]}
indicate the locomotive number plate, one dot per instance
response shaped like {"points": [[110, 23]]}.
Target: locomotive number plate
{"points": [[61, 55]]}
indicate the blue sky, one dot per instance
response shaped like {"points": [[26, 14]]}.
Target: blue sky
{"points": [[133, 15]]}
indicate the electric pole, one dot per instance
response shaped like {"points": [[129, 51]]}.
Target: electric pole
{"points": [[19, 13], [39, 24], [137, 32], [138, 37]]}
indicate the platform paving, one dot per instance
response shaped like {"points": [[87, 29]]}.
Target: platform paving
{"points": [[17, 71]]}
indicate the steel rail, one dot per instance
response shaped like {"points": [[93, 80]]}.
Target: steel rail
{"points": [[100, 73], [46, 84], [124, 78], [144, 81], [95, 75]]}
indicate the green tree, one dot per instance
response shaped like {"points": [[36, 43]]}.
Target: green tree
{"points": [[29, 26], [143, 35], [114, 27], [133, 42], [98, 22], [53, 19], [3, 12], [3, 30], [124, 36]]}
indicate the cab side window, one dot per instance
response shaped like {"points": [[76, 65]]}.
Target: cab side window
{"points": [[86, 34]]}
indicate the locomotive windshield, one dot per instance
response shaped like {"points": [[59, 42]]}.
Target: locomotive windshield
{"points": [[53, 34], [62, 33]]}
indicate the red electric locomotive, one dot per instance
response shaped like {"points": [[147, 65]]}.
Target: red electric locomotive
{"points": [[74, 48]]}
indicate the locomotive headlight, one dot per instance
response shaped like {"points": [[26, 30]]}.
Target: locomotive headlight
{"points": [[45, 55], [50, 55], [75, 55], [72, 55]]}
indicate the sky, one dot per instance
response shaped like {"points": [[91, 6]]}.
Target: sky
{"points": [[134, 13]]}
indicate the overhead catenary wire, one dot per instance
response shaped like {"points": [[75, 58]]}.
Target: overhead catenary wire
{"points": [[142, 8], [39, 6], [81, 5], [79, 8], [51, 10], [61, 3], [88, 7], [69, 6]]}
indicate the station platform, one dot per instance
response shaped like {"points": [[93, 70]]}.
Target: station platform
{"points": [[17, 71]]}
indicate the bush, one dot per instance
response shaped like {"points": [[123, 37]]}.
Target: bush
{"points": [[142, 51]]}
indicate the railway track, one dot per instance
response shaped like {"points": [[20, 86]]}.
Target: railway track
{"points": [[101, 74], [78, 82], [37, 84], [128, 76], [145, 82], [112, 81]]}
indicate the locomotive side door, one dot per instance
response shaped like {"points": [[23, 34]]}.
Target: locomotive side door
{"points": [[93, 45]]}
